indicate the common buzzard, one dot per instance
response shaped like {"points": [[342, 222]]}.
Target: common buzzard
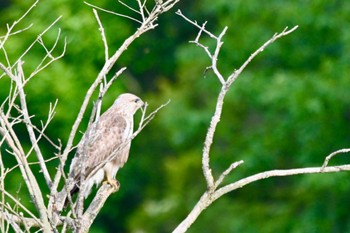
{"points": [[104, 148]]}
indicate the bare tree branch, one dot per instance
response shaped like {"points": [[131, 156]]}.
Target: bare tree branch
{"points": [[32, 221], [32, 44], [10, 28], [329, 157], [209, 197], [113, 13], [19, 81], [226, 172], [275, 37], [213, 190], [94, 208], [49, 55], [103, 35], [289, 172]]}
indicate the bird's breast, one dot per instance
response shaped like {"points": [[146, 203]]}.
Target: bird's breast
{"points": [[127, 133]]}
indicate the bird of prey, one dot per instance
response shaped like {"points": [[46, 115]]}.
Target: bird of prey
{"points": [[104, 148]]}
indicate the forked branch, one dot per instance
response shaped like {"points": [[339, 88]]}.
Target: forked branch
{"points": [[214, 191]]}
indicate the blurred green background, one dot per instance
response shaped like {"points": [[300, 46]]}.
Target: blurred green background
{"points": [[289, 108]]}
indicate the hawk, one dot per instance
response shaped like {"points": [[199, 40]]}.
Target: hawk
{"points": [[104, 148]]}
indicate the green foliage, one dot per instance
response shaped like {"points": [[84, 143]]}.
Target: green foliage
{"points": [[290, 108]]}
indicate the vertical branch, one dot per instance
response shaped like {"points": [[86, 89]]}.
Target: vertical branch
{"points": [[209, 140], [142, 7], [213, 192], [24, 109], [2, 187], [103, 35]]}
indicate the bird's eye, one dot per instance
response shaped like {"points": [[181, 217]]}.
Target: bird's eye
{"points": [[137, 100]]}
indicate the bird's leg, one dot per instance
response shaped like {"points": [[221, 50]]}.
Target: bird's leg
{"points": [[114, 183]]}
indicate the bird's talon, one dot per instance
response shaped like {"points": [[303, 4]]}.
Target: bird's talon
{"points": [[114, 183]]}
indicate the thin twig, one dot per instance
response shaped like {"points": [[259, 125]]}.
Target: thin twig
{"points": [[196, 42], [329, 157], [113, 13], [141, 7], [9, 28], [214, 57], [103, 35], [201, 28], [128, 7], [33, 217], [236, 73], [41, 131], [274, 173], [49, 55], [36, 40], [112, 80], [226, 172], [26, 118], [16, 32]]}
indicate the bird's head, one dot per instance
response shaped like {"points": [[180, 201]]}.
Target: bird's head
{"points": [[128, 103]]}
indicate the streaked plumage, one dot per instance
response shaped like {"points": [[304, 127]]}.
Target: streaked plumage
{"points": [[105, 145]]}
